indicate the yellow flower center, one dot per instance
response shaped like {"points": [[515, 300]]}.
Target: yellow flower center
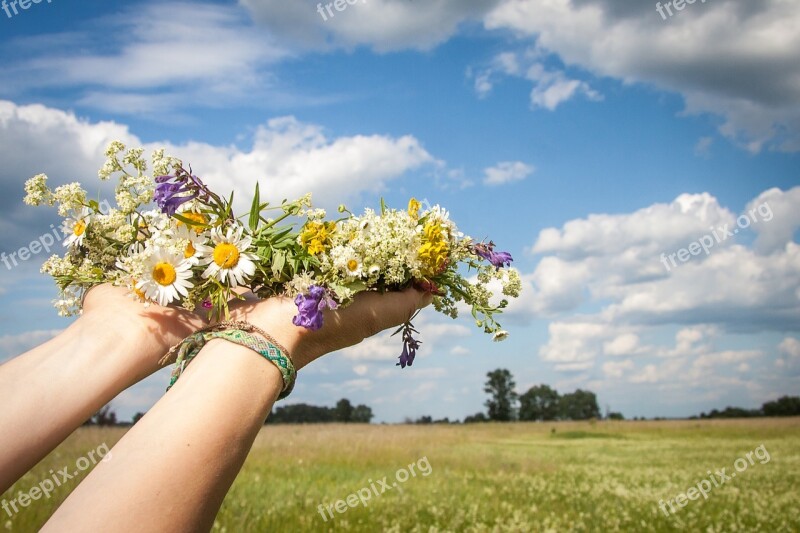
{"points": [[352, 265], [164, 274], [79, 228], [226, 255], [189, 251]]}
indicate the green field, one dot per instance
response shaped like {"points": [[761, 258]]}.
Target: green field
{"points": [[605, 476]]}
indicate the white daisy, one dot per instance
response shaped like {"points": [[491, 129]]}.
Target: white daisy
{"points": [[74, 227], [228, 259], [500, 336], [353, 268], [191, 241], [166, 277]]}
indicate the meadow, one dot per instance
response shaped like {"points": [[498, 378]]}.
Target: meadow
{"points": [[567, 476]]}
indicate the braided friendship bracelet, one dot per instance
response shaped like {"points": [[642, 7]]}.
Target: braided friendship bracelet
{"points": [[237, 333]]}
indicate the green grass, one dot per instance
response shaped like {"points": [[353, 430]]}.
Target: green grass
{"points": [[607, 476]]}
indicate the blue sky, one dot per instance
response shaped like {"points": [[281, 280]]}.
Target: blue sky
{"points": [[588, 137]]}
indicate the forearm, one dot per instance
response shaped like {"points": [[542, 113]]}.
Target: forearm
{"points": [[171, 471], [51, 390]]}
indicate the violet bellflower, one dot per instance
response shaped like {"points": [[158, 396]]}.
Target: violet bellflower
{"points": [[310, 307], [170, 195], [410, 346], [498, 259]]}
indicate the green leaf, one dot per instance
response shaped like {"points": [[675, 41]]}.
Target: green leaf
{"points": [[255, 210], [383, 206], [278, 261]]}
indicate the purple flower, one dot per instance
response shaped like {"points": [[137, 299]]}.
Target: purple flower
{"points": [[170, 195], [410, 346], [498, 259], [207, 304], [310, 307]]}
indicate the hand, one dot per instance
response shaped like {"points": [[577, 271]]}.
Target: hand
{"points": [[370, 313], [153, 329]]}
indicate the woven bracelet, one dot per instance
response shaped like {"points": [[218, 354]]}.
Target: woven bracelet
{"points": [[237, 333]]}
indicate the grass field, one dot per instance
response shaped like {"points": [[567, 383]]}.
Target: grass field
{"points": [[608, 476]]}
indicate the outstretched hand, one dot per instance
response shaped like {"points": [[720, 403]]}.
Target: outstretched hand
{"points": [[370, 313], [153, 329]]}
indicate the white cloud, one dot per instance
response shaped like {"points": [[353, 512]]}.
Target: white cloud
{"points": [[616, 369], [623, 345], [617, 259], [572, 342], [649, 374], [706, 55], [435, 337], [775, 217], [612, 302], [288, 158], [507, 172], [551, 87], [383, 25], [361, 370], [789, 362], [190, 53], [13, 345]]}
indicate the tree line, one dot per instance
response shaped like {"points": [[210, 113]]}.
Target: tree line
{"points": [[540, 402], [783, 406], [302, 413]]}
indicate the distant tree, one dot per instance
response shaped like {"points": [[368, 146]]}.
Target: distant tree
{"points": [[500, 387], [783, 406], [539, 403], [362, 414], [104, 417], [344, 410], [138, 416], [615, 416], [424, 420], [579, 405], [477, 417]]}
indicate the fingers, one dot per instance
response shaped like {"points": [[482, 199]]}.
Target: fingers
{"points": [[373, 312]]}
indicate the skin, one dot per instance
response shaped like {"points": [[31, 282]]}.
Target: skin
{"points": [[183, 456], [115, 343]]}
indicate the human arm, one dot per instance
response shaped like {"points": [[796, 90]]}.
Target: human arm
{"points": [[52, 389], [174, 467]]}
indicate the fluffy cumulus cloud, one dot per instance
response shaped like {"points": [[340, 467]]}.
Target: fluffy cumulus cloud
{"points": [[614, 302], [287, 156], [712, 53], [383, 25]]}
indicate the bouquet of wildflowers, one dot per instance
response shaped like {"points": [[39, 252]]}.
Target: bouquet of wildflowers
{"points": [[171, 240]]}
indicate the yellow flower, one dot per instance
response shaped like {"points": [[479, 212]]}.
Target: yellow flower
{"points": [[316, 236], [434, 251], [199, 220], [413, 208]]}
